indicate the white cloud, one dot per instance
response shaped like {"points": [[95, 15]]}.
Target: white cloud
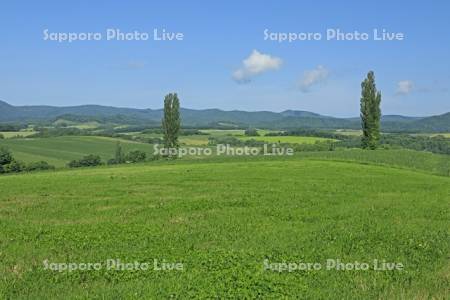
{"points": [[404, 87], [313, 77], [257, 63]]}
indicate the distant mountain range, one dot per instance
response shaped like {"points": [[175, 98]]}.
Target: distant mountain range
{"points": [[288, 119]]}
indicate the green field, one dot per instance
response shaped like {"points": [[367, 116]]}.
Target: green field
{"points": [[223, 132], [58, 151], [349, 132], [444, 134], [197, 140], [194, 140], [13, 134], [221, 219], [407, 159], [86, 125], [286, 139], [266, 131], [141, 134], [234, 132], [447, 135], [79, 125], [191, 140]]}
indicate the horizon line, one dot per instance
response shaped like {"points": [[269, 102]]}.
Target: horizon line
{"points": [[224, 110]]}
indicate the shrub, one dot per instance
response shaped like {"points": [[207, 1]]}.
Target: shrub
{"points": [[74, 164], [191, 132], [40, 165], [1, 136], [87, 161], [112, 161], [136, 156], [251, 132], [5, 156], [9, 165], [15, 167]]}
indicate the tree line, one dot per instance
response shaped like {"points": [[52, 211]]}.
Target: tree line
{"points": [[120, 157]]}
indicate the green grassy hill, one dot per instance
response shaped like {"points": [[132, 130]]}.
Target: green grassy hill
{"points": [[405, 159], [15, 134], [222, 220], [58, 151]]}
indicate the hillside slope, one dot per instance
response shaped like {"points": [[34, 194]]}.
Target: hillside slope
{"points": [[225, 222], [58, 151]]}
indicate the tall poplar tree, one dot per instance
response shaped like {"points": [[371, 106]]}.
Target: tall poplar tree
{"points": [[171, 121], [370, 112]]}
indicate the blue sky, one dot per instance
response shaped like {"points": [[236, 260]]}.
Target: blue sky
{"points": [[223, 60]]}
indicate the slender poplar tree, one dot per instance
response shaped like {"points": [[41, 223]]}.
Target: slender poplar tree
{"points": [[370, 112], [171, 121]]}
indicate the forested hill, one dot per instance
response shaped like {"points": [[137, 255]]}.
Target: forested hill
{"points": [[216, 118]]}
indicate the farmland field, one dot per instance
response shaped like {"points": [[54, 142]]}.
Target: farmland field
{"points": [[58, 151], [79, 125], [194, 140], [11, 134], [225, 150], [234, 132], [220, 132], [222, 231], [287, 139], [447, 135], [444, 134], [349, 132]]}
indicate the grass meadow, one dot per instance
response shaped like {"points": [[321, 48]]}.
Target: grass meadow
{"points": [[222, 219], [224, 132], [225, 218], [235, 132], [15, 134], [287, 139], [58, 151]]}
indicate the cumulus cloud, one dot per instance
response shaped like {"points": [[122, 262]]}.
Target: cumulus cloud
{"points": [[257, 63], [404, 87], [313, 77]]}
